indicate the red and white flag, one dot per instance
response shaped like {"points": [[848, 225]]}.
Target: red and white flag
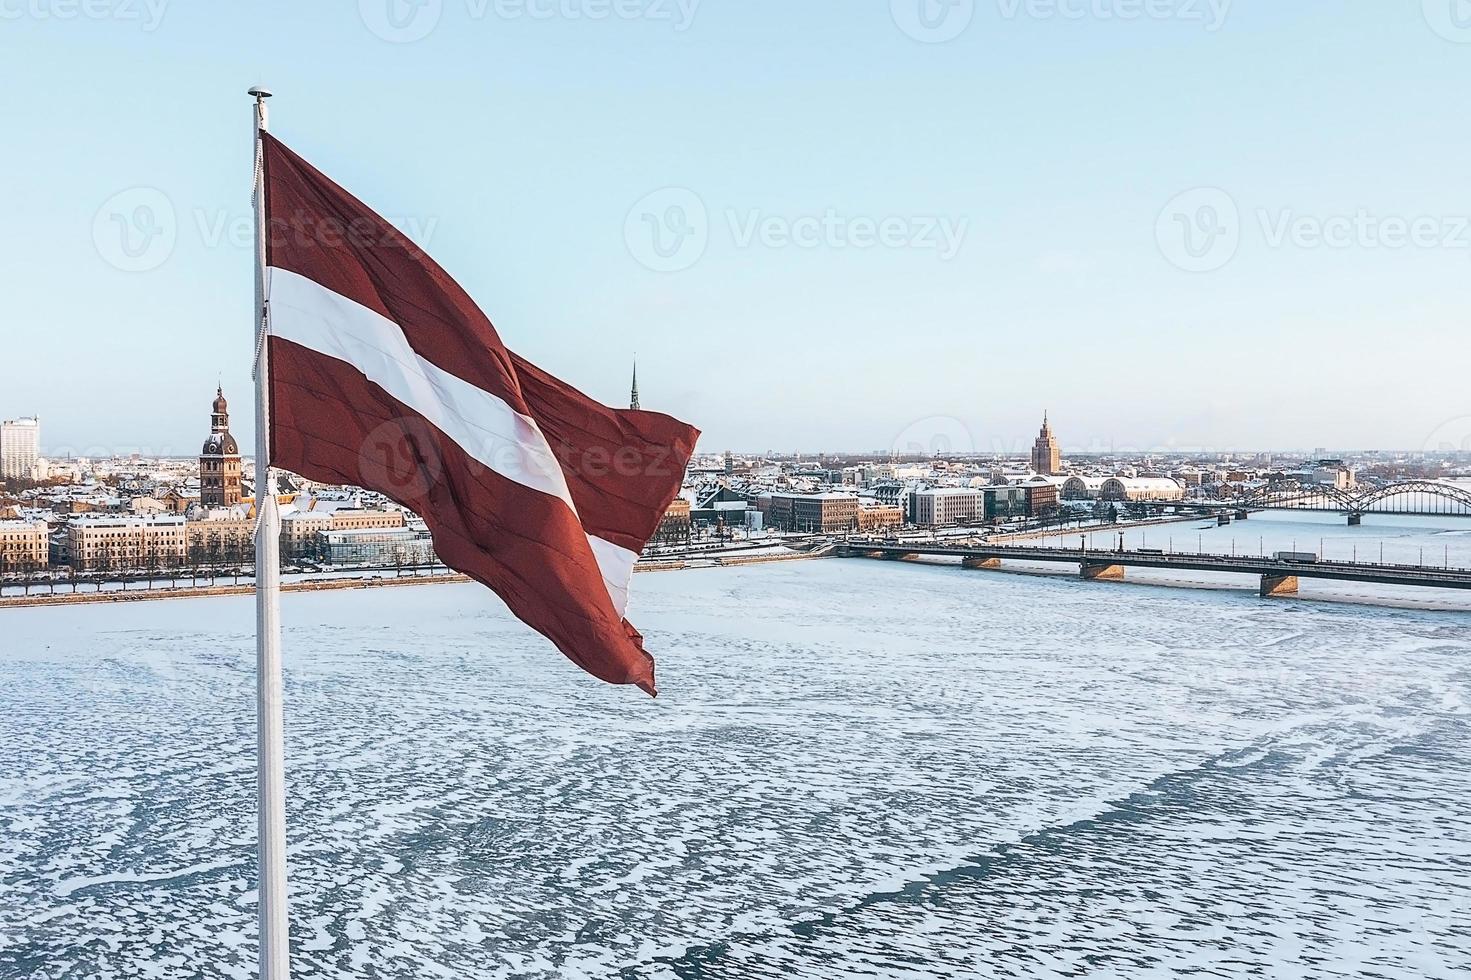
{"points": [[386, 375]]}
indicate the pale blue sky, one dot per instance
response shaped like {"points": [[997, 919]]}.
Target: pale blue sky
{"points": [[522, 135]]}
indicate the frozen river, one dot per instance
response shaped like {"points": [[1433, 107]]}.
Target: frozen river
{"points": [[856, 769]]}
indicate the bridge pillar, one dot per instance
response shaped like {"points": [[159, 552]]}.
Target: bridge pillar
{"points": [[1242, 515], [1354, 520], [1103, 571], [980, 563], [1279, 585]]}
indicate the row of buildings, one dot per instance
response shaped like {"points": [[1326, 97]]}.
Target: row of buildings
{"points": [[208, 521], [313, 530]]}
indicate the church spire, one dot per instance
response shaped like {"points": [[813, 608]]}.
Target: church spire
{"points": [[633, 393], [220, 412]]}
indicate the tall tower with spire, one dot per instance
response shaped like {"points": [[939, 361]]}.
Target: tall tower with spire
{"points": [[219, 461], [1046, 457], [633, 394]]}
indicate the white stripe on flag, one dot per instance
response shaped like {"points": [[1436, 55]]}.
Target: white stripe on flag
{"points": [[616, 564], [482, 424]]}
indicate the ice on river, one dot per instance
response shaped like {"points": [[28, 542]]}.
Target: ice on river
{"points": [[855, 769]]}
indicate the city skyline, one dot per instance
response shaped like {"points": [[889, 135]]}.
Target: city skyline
{"points": [[830, 263]]}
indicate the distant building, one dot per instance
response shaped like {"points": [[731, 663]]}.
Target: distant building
{"points": [[110, 541], [1083, 487], [23, 545], [874, 516], [674, 526], [942, 506], [820, 513], [633, 392], [357, 519], [1046, 457], [301, 534], [1004, 502], [1141, 488], [219, 461], [179, 501], [378, 546], [221, 533], [1041, 498], [20, 448], [1333, 473], [720, 505]]}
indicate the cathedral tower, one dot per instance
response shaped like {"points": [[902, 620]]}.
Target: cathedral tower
{"points": [[219, 461]]}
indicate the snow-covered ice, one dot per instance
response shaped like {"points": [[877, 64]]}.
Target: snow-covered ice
{"points": [[855, 769]]}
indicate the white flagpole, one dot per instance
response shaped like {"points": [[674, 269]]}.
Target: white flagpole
{"points": [[270, 762]]}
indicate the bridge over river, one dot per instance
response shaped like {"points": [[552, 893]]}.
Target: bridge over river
{"points": [[1421, 498], [1279, 576]]}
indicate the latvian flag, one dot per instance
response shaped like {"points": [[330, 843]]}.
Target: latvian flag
{"points": [[386, 375]]}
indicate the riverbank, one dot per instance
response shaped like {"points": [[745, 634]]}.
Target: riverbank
{"points": [[360, 582]]}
